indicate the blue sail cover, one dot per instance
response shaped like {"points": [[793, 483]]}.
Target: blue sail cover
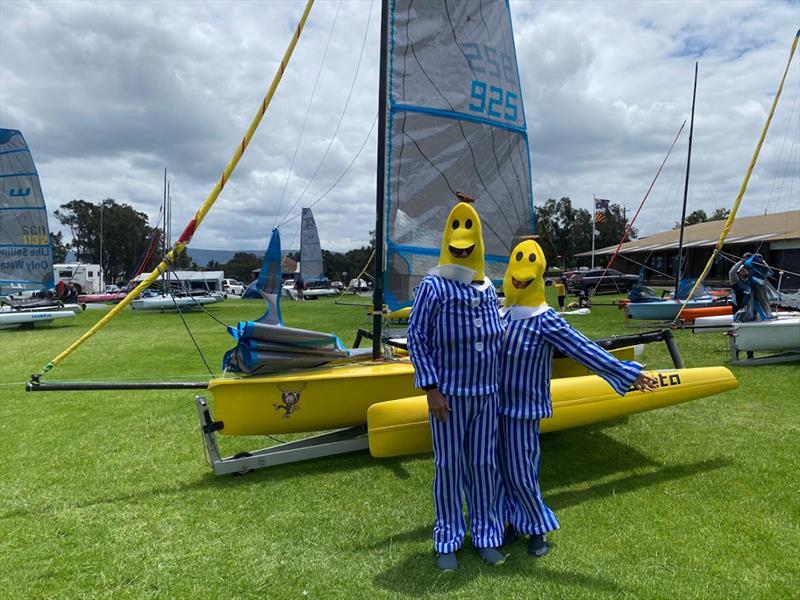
{"points": [[268, 284], [310, 250], [266, 345], [26, 257], [455, 122]]}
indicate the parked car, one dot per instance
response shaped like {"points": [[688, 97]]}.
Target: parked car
{"points": [[232, 286], [112, 289], [337, 285], [359, 285], [590, 281]]}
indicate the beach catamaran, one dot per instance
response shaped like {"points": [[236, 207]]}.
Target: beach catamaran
{"points": [[451, 120]]}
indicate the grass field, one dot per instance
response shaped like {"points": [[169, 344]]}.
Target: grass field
{"points": [[107, 495]]}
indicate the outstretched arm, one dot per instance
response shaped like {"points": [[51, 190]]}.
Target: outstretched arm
{"points": [[620, 375]]}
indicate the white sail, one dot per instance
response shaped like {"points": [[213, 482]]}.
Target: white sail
{"points": [[455, 122]]}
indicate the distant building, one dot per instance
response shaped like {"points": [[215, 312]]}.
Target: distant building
{"points": [[290, 269], [775, 236]]}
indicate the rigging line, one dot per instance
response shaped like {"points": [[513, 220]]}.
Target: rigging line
{"points": [[641, 204], [648, 267], [341, 116], [783, 145], [186, 325], [186, 237], [729, 256], [308, 112], [339, 179], [198, 304], [743, 188]]}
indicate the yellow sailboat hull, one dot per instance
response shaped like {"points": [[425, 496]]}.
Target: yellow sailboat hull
{"points": [[401, 427], [328, 397]]}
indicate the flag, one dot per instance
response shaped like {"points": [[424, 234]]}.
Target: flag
{"points": [[599, 217], [601, 204]]}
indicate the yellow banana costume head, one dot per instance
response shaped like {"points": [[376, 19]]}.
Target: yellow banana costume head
{"points": [[462, 242], [523, 284]]}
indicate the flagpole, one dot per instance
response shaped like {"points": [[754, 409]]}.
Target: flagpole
{"points": [[594, 216]]}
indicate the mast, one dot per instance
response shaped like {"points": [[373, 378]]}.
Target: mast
{"points": [[686, 188], [594, 224], [380, 186]]}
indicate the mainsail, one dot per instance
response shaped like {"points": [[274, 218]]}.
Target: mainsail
{"points": [[310, 249], [455, 123], [26, 258]]}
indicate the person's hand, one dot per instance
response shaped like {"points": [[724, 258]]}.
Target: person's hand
{"points": [[645, 383], [437, 405]]}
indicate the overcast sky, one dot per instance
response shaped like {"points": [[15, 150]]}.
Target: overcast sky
{"points": [[109, 93]]}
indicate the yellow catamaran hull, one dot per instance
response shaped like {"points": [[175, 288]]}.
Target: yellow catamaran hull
{"points": [[401, 427], [328, 397]]}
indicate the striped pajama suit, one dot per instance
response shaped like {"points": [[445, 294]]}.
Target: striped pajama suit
{"points": [[526, 366], [454, 337]]}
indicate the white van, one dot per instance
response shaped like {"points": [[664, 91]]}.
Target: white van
{"points": [[87, 277]]}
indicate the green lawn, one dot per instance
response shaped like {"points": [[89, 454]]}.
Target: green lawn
{"points": [[107, 494]]}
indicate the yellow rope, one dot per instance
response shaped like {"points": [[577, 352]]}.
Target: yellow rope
{"points": [[186, 236], [732, 216]]}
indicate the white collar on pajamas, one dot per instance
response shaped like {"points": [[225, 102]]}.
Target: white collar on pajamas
{"points": [[516, 312], [461, 275]]}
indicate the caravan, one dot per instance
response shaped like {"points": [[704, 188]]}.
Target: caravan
{"points": [[86, 277]]}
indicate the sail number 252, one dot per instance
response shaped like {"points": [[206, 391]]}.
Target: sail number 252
{"points": [[493, 101]]}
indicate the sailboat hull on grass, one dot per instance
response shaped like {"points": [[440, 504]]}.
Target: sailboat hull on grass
{"points": [[401, 427]]}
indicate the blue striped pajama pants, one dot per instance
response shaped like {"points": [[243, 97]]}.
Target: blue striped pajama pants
{"points": [[521, 496], [465, 461]]}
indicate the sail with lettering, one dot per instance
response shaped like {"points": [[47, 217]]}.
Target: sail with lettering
{"points": [[26, 257], [310, 250], [455, 123]]}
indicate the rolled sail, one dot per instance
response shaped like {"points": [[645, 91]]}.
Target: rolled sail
{"points": [[456, 122], [26, 258]]}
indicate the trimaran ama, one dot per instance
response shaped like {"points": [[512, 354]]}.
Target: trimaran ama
{"points": [[453, 119]]}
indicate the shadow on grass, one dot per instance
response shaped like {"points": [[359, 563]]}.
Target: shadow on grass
{"points": [[416, 575], [311, 468], [566, 499]]}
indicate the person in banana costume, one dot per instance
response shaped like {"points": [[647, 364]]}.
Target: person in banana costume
{"points": [[533, 332], [454, 336]]}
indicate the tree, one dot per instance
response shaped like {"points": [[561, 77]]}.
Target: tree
{"points": [[693, 218], [59, 248], [241, 266], [565, 231], [719, 214], [125, 235], [700, 216]]}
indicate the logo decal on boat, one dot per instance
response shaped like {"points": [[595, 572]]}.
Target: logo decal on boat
{"points": [[290, 398]]}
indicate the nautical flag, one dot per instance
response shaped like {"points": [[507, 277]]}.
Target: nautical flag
{"points": [[600, 206]]}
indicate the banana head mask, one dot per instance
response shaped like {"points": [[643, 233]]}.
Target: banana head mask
{"points": [[523, 284], [462, 242]]}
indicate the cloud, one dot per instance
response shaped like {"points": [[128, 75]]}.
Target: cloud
{"points": [[108, 93]]}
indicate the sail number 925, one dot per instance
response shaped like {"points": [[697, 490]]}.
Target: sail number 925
{"points": [[493, 101]]}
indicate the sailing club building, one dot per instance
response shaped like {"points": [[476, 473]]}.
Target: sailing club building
{"points": [[775, 236]]}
